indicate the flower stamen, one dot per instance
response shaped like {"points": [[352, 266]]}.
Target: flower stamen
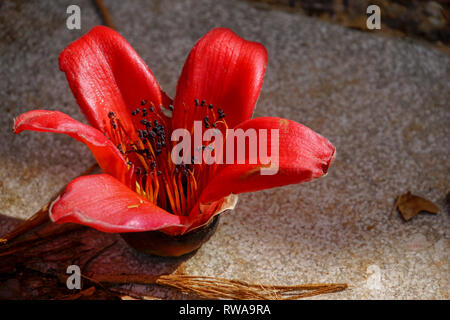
{"points": [[151, 157]]}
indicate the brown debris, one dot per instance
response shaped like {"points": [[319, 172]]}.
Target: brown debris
{"points": [[411, 205], [217, 288]]}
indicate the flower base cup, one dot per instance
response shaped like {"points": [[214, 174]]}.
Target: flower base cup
{"points": [[161, 244]]}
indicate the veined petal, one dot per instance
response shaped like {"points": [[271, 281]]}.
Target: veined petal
{"points": [[105, 152], [303, 156], [224, 70], [106, 74], [104, 203]]}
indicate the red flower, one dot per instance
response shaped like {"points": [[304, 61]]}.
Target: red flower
{"points": [[141, 189]]}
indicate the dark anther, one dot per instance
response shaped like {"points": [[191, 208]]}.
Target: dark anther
{"points": [[140, 134], [214, 125], [138, 171], [155, 123], [171, 107], [210, 106], [153, 165], [148, 124], [143, 122], [206, 121], [196, 102], [113, 124], [203, 103], [158, 151], [159, 173], [143, 102], [111, 114], [129, 163], [150, 109], [144, 112], [221, 113]]}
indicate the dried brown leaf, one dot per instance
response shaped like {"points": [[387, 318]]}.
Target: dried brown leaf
{"points": [[411, 205]]}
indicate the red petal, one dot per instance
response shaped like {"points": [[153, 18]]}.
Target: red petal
{"points": [[106, 74], [303, 156], [104, 151], [225, 71], [102, 202]]}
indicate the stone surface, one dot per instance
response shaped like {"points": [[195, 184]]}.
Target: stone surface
{"points": [[383, 102]]}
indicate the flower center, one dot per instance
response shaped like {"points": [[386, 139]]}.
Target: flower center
{"points": [[175, 188]]}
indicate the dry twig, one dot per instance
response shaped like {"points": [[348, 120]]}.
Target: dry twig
{"points": [[217, 288], [104, 13]]}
